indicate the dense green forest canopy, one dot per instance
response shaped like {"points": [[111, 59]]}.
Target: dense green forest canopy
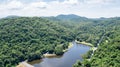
{"points": [[28, 38], [108, 52]]}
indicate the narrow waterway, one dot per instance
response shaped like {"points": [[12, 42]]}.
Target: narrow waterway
{"points": [[66, 60]]}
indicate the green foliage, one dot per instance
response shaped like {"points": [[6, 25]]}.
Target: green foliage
{"points": [[26, 38], [59, 50], [108, 52], [77, 64]]}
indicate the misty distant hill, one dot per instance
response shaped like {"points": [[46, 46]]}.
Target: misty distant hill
{"points": [[12, 16], [69, 18]]}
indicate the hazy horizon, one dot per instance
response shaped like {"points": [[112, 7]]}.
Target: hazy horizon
{"points": [[85, 8], [58, 15]]}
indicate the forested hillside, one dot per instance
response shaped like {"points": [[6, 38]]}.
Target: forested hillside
{"points": [[108, 52], [28, 38]]}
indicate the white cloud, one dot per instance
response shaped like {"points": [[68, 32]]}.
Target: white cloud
{"points": [[38, 5], [71, 2], [89, 8], [98, 1], [13, 5]]}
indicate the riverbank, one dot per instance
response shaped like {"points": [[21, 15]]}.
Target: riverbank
{"points": [[84, 43], [69, 46], [68, 59], [53, 55], [24, 64], [88, 44], [49, 55]]}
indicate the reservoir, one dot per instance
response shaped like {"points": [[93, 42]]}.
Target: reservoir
{"points": [[66, 60]]}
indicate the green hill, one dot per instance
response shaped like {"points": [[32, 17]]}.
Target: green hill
{"points": [[108, 52], [28, 38]]}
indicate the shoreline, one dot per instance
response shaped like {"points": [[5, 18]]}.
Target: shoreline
{"points": [[53, 55], [26, 64], [47, 55], [84, 43], [69, 46], [88, 44]]}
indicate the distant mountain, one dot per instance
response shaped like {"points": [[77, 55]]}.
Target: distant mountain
{"points": [[67, 17], [12, 16], [70, 18]]}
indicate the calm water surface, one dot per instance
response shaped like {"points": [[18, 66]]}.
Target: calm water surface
{"points": [[67, 60]]}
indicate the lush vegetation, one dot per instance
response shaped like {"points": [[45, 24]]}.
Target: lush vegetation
{"points": [[28, 38], [108, 52]]}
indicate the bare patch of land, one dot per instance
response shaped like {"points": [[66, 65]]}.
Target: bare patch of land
{"points": [[24, 64]]}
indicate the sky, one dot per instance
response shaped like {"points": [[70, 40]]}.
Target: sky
{"points": [[86, 8]]}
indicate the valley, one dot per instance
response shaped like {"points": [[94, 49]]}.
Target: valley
{"points": [[28, 38]]}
